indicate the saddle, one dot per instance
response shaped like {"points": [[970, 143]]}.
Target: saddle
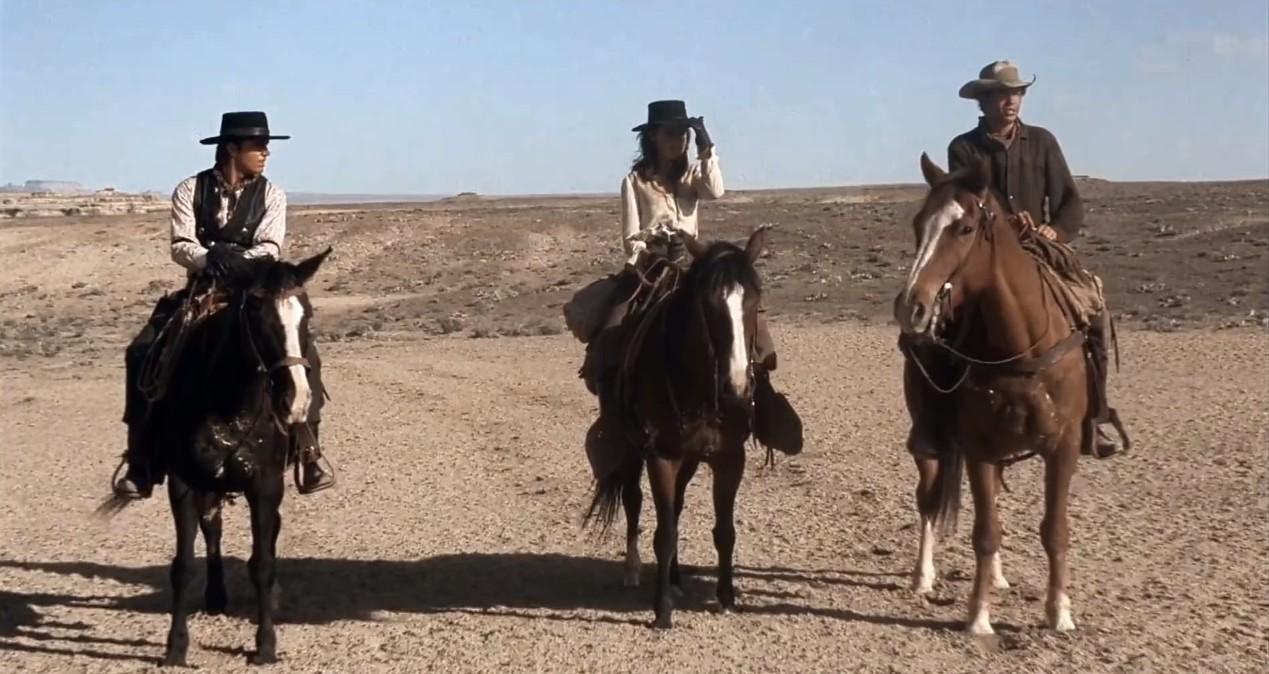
{"points": [[1082, 301], [1078, 291], [632, 294], [198, 301]]}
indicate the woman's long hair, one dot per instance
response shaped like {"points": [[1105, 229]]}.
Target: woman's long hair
{"points": [[646, 165]]}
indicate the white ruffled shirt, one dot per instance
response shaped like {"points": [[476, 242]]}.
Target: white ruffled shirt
{"points": [[644, 205], [189, 253]]}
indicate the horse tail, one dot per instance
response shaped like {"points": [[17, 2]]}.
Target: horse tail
{"points": [[951, 472], [606, 501], [112, 505], [610, 492]]}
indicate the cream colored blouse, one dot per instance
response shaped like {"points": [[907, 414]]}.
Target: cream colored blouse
{"points": [[645, 205]]}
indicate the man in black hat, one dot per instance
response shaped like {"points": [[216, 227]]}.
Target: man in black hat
{"points": [[221, 218]]}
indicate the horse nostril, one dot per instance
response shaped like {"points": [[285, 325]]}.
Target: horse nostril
{"points": [[918, 313]]}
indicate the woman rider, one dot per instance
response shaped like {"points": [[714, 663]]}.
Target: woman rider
{"points": [[663, 191]]}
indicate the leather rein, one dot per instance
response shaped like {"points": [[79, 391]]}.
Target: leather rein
{"points": [[1019, 363], [261, 368]]}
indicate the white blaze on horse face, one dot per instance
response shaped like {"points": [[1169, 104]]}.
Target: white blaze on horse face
{"points": [[931, 233], [738, 362], [291, 313]]}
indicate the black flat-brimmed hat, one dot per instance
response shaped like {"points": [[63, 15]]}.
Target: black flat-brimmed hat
{"points": [[665, 113], [242, 126]]}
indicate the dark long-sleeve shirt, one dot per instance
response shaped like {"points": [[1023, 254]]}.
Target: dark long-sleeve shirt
{"points": [[1027, 172]]}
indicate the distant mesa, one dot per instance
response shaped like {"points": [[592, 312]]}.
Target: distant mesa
{"points": [[46, 187], [45, 198], [461, 198]]}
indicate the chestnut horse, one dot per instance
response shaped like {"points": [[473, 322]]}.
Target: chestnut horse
{"points": [[1022, 384]]}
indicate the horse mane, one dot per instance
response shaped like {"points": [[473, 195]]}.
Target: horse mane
{"points": [[967, 179], [264, 276], [723, 264]]}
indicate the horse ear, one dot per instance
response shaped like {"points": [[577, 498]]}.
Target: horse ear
{"points": [[757, 243], [930, 170], [305, 269], [694, 247], [977, 176]]}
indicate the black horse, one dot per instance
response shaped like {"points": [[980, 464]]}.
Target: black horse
{"points": [[237, 385], [686, 391]]}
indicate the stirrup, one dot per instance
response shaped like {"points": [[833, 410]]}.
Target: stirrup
{"points": [[1125, 443], [1112, 449], [305, 489], [1103, 449], [139, 495]]}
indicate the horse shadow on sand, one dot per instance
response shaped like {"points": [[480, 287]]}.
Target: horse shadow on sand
{"points": [[328, 590]]}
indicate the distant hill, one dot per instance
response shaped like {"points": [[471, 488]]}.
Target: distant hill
{"points": [[310, 198], [45, 187]]}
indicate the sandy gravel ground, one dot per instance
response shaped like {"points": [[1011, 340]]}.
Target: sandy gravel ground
{"points": [[452, 542]]}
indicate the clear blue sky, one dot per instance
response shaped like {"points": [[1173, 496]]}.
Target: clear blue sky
{"points": [[530, 97]]}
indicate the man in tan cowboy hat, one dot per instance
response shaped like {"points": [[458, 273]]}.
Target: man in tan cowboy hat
{"points": [[1032, 180], [1027, 165]]}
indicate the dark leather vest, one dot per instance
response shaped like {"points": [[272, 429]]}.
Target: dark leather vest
{"points": [[242, 224]]}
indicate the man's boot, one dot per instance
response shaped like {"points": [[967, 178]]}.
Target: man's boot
{"points": [[1103, 445], [927, 437], [310, 477], [136, 482]]}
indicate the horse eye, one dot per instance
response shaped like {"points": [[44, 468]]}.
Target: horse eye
{"points": [[967, 227]]}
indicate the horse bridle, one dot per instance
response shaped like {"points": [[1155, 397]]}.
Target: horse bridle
{"points": [[751, 327], [268, 370], [943, 297], [285, 361]]}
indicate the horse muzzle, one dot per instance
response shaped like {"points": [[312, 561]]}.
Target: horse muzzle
{"points": [[919, 315]]}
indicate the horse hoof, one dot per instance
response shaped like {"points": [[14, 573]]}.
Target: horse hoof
{"points": [[923, 585], [1059, 614], [177, 648], [262, 659], [979, 628], [727, 601], [663, 623]]}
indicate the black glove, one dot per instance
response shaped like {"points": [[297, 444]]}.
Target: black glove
{"points": [[225, 261], [703, 142]]}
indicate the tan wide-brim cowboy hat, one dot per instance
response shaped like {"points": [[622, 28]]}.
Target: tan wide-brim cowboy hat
{"points": [[997, 76]]}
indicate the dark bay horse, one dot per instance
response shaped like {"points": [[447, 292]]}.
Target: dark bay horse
{"points": [[1022, 383], [238, 383], [686, 392]]}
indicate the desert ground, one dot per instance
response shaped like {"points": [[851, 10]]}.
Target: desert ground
{"points": [[453, 539]]}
